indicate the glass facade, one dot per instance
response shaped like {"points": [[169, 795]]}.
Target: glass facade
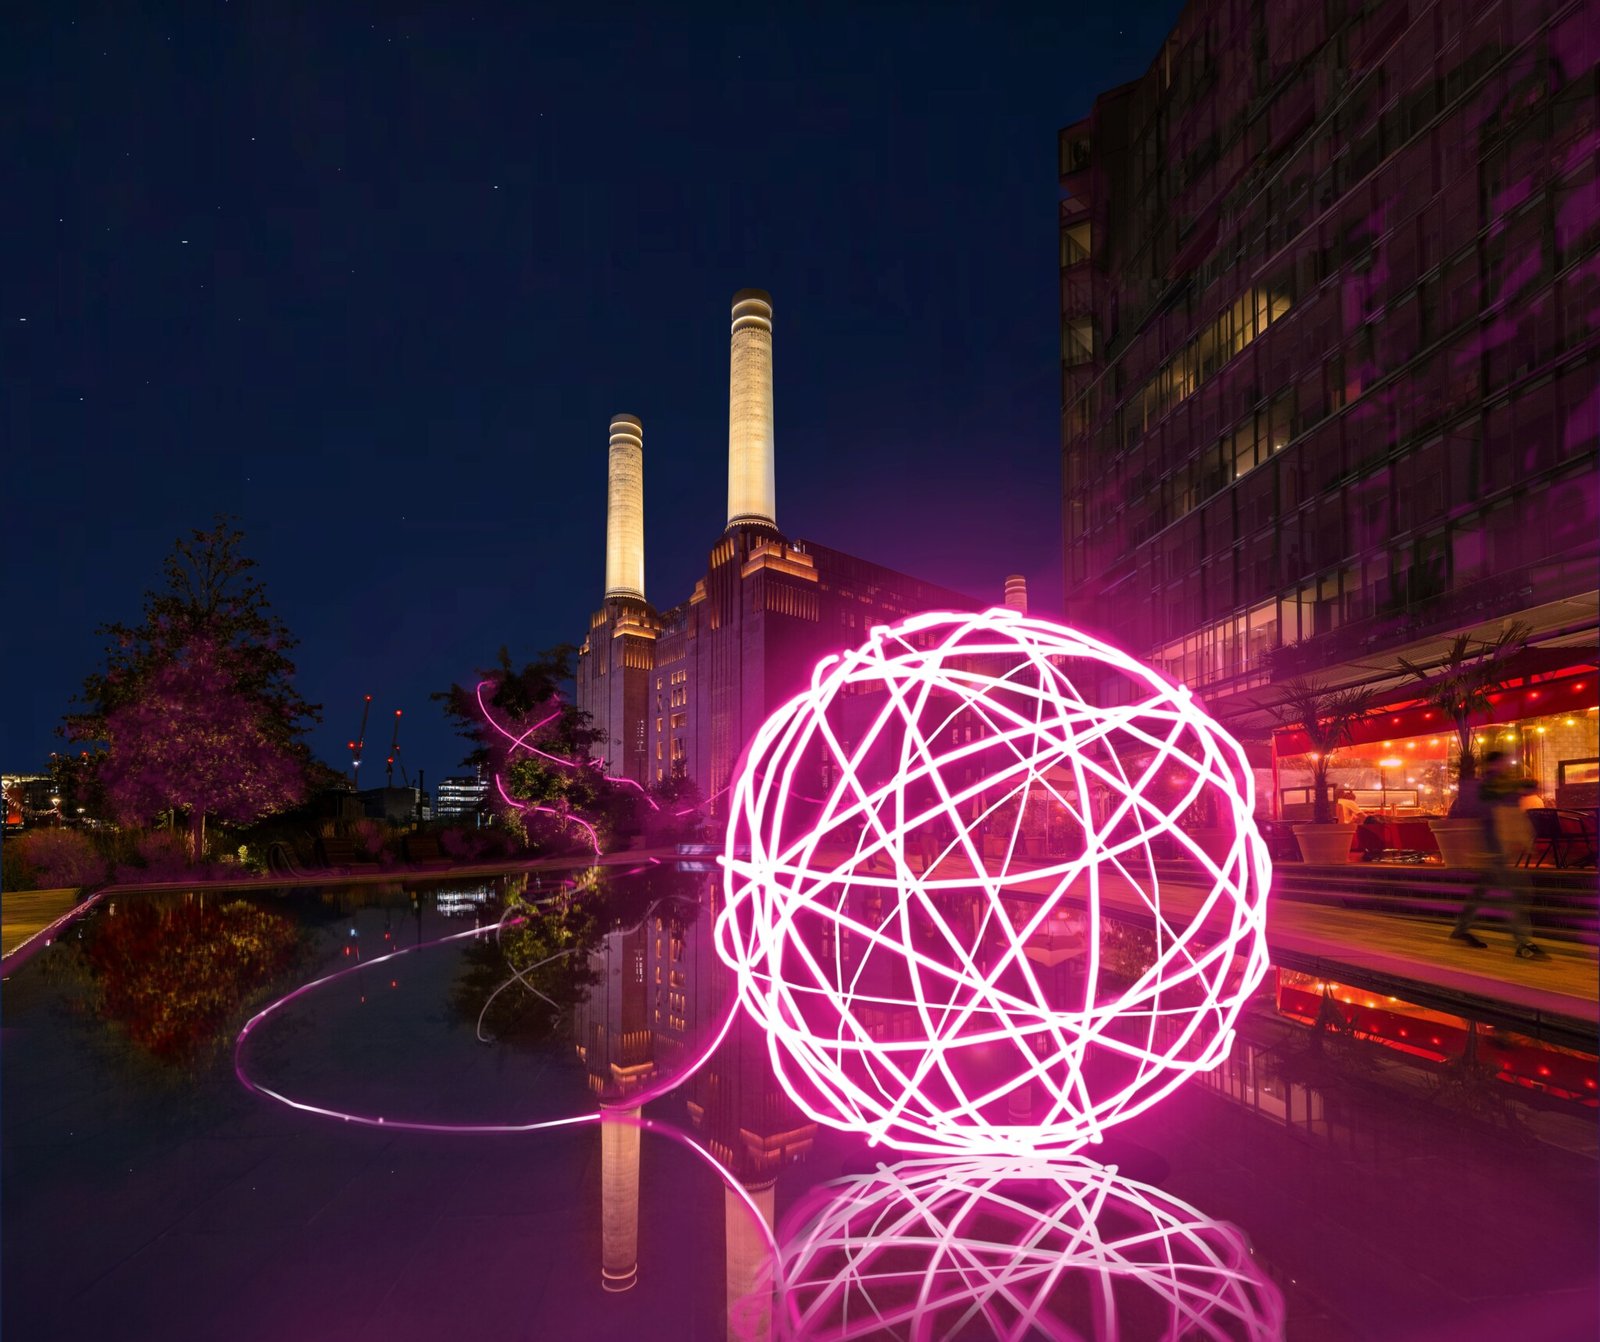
{"points": [[1330, 286]]}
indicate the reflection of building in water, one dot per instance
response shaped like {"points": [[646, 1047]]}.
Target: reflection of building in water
{"points": [[619, 1200], [746, 1119], [637, 1019], [613, 1019], [1439, 1036], [752, 1127], [658, 991], [748, 1263], [460, 903], [1437, 1043], [679, 692]]}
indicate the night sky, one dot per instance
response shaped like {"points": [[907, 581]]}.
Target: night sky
{"points": [[376, 285]]}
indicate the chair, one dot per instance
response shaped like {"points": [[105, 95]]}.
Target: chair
{"points": [[1546, 838], [1577, 844], [1566, 838]]}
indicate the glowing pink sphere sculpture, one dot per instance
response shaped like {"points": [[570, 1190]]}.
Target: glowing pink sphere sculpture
{"points": [[991, 886]]}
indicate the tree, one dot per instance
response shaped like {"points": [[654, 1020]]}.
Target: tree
{"points": [[523, 984], [527, 738], [1327, 717], [210, 625], [211, 593], [194, 739], [1459, 686]]}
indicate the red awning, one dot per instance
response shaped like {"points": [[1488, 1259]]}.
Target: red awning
{"points": [[1570, 693]]}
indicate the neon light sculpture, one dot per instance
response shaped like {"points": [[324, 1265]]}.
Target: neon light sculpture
{"points": [[924, 977], [1014, 1249]]}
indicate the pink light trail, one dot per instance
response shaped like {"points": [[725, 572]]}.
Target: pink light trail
{"points": [[241, 1071]]}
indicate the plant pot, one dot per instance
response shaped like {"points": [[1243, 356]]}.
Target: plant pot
{"points": [[1324, 845], [1460, 840]]}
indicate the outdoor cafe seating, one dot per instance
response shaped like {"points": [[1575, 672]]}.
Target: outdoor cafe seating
{"points": [[1562, 838]]}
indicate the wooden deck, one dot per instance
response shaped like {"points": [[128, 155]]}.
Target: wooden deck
{"points": [[25, 913]]}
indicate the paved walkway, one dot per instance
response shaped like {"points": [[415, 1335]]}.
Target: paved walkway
{"points": [[1414, 949]]}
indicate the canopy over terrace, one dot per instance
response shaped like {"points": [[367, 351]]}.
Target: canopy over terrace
{"points": [[1536, 682], [1402, 757]]}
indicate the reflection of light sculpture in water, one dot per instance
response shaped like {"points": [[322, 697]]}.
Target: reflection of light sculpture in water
{"points": [[907, 1003], [1015, 1249]]}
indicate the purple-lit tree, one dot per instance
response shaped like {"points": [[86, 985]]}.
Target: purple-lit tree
{"points": [[210, 596], [193, 739]]}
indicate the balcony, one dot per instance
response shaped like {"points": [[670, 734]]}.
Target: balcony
{"points": [[1074, 159]]}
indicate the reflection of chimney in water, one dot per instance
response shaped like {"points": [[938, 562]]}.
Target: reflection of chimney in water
{"points": [[625, 509], [1017, 594], [750, 427], [749, 1264], [619, 1200]]}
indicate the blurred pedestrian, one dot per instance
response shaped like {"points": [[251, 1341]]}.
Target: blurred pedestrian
{"points": [[1506, 834]]}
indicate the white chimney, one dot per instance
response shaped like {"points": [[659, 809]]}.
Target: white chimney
{"points": [[750, 462], [1017, 594], [625, 509]]}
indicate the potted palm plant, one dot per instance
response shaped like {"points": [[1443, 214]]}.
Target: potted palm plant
{"points": [[1458, 687], [1326, 717]]}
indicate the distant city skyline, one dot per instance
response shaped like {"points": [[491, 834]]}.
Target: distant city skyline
{"points": [[375, 289]]}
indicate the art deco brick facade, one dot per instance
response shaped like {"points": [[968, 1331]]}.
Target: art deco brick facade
{"points": [[1330, 295]]}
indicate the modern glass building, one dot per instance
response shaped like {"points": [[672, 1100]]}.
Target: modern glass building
{"points": [[1330, 325], [461, 796]]}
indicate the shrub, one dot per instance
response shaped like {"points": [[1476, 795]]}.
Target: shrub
{"points": [[370, 836], [159, 855], [491, 844], [14, 872], [61, 857]]}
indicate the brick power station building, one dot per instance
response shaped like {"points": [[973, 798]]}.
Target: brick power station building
{"points": [[679, 691]]}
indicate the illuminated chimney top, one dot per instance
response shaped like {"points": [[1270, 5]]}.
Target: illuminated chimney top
{"points": [[625, 509], [751, 492], [1017, 594]]}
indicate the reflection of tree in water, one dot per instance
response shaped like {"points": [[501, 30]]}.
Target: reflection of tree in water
{"points": [[1329, 1055], [525, 980], [543, 941], [171, 976], [1471, 1085]]}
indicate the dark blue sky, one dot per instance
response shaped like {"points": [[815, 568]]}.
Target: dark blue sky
{"points": [[376, 285]]}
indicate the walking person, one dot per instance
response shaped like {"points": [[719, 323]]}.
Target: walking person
{"points": [[1496, 805]]}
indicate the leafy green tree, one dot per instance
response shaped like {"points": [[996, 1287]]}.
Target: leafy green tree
{"points": [[526, 735]]}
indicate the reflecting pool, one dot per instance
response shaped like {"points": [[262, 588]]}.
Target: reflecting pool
{"points": [[525, 1108]]}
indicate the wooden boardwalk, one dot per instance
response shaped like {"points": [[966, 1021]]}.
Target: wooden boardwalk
{"points": [[24, 913]]}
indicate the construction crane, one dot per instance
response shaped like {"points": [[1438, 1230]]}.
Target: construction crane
{"points": [[358, 745], [394, 754]]}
